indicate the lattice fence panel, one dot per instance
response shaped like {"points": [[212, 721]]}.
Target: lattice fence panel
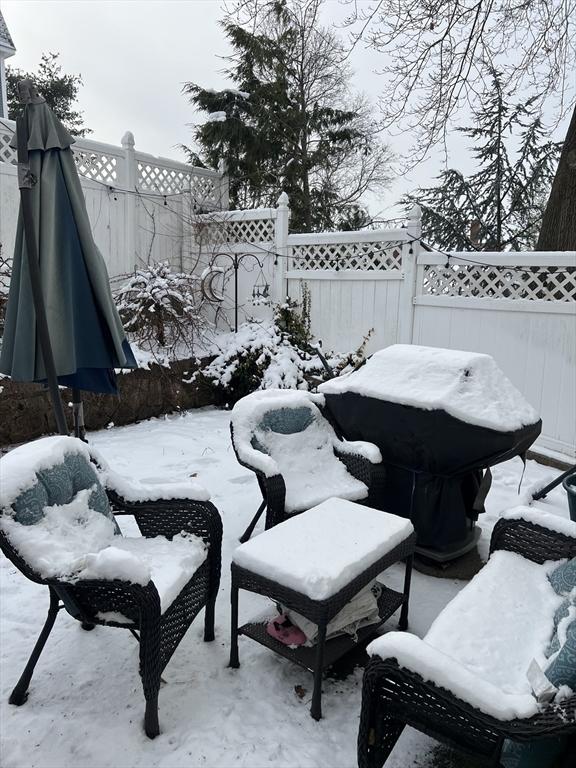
{"points": [[7, 154], [96, 166], [231, 232], [482, 281], [363, 256], [155, 178], [204, 190]]}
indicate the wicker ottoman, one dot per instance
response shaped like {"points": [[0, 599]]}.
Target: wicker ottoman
{"points": [[315, 563]]}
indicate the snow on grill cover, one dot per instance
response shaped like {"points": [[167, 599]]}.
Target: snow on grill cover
{"points": [[439, 417]]}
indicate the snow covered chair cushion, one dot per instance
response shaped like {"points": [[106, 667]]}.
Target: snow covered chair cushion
{"points": [[55, 485], [283, 432], [481, 645], [563, 578], [561, 671], [56, 515]]}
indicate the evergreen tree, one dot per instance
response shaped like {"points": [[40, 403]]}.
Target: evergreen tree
{"points": [[500, 206], [59, 90], [290, 122]]}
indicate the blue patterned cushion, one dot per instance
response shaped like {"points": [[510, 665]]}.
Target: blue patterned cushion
{"points": [[562, 668], [59, 485], [563, 578], [287, 421], [82, 473], [29, 506], [536, 754], [98, 501], [560, 613]]}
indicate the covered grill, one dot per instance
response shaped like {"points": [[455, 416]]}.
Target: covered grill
{"points": [[440, 418]]}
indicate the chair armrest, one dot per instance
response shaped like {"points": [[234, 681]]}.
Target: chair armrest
{"points": [[170, 517], [443, 672], [372, 475], [85, 598], [134, 490], [535, 541], [393, 693], [366, 450], [253, 459], [167, 517]]}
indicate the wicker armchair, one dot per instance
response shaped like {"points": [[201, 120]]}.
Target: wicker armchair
{"points": [[291, 413], [114, 602], [393, 696]]}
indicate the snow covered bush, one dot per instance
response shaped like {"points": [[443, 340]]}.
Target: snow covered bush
{"points": [[161, 310], [276, 354]]}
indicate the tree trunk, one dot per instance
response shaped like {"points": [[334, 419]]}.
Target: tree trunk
{"points": [[558, 231]]}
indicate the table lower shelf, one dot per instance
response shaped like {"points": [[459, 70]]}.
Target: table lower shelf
{"points": [[334, 649]]}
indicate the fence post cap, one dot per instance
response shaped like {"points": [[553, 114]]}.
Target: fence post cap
{"points": [[282, 201], [128, 140]]}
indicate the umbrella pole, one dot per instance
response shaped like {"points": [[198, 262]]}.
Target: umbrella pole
{"points": [[78, 411], [26, 181]]}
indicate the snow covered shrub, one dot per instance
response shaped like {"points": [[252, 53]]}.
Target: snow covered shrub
{"points": [[160, 309], [258, 356], [295, 322], [264, 355]]}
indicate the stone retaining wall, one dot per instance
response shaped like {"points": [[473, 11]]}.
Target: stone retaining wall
{"points": [[26, 411]]}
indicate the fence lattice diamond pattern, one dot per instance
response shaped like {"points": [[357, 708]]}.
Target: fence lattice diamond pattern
{"points": [[483, 281], [168, 181], [98, 167], [7, 154], [154, 178], [223, 232], [364, 256]]}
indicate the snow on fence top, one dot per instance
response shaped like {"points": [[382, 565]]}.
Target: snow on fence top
{"points": [[467, 385]]}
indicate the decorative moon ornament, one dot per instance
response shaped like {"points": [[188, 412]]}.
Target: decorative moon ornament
{"points": [[207, 278]]}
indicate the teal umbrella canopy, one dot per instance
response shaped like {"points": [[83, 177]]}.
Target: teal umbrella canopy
{"points": [[86, 334]]}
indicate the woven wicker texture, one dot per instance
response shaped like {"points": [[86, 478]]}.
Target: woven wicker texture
{"points": [[393, 697], [159, 634], [273, 488]]}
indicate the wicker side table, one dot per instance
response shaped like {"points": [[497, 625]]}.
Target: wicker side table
{"points": [[366, 542]]}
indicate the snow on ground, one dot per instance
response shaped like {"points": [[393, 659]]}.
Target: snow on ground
{"points": [[86, 703]]}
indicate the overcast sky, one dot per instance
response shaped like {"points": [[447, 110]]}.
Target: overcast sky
{"points": [[134, 56]]}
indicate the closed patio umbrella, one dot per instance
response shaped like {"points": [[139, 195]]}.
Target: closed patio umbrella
{"points": [[61, 327]]}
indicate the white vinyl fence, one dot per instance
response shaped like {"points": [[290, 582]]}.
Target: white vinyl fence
{"points": [[138, 204], [518, 307]]}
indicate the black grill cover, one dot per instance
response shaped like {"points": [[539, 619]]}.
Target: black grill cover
{"points": [[435, 461]]}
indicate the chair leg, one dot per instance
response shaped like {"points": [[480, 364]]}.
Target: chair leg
{"points": [[20, 692], [248, 532], [316, 708], [151, 684], [151, 724], [209, 620], [403, 623], [234, 660], [379, 730]]}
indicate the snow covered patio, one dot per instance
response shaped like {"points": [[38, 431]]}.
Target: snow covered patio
{"points": [[85, 705]]}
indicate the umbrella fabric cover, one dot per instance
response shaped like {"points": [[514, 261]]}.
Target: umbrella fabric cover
{"points": [[86, 332]]}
